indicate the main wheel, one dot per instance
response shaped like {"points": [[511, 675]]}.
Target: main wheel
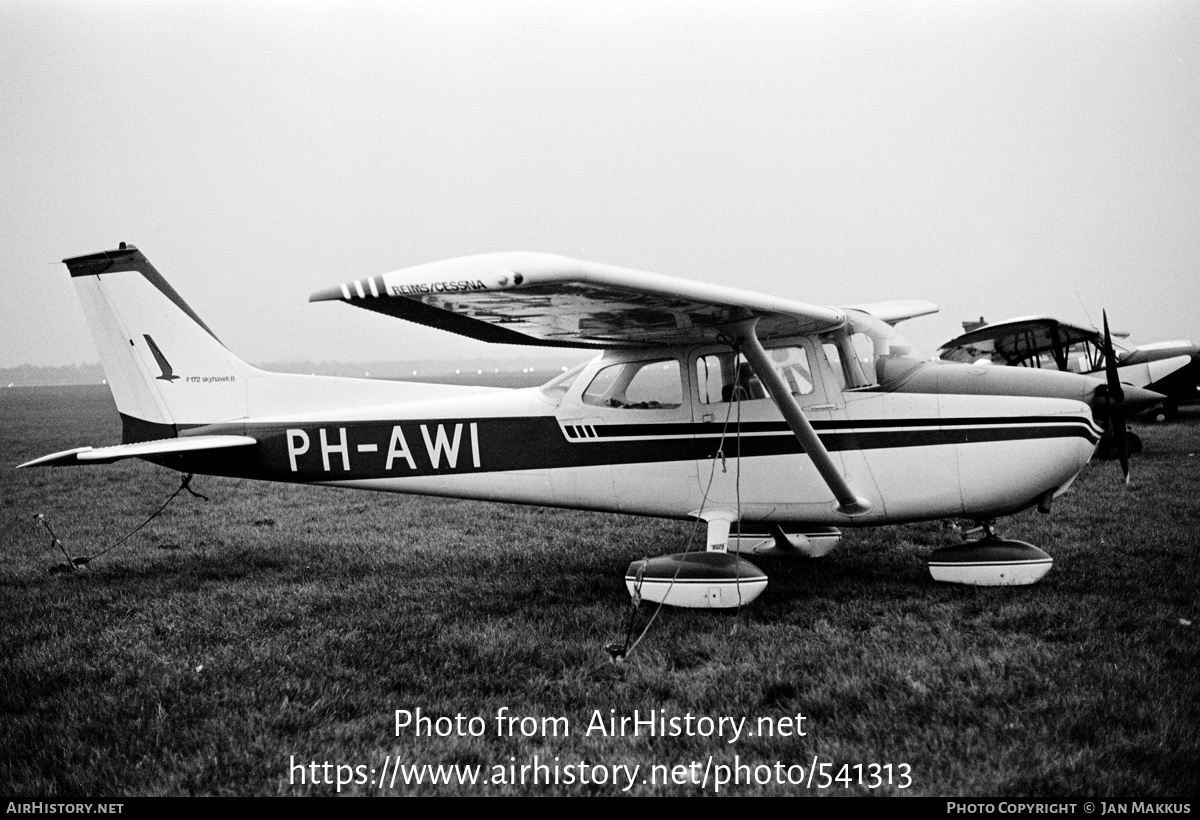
{"points": [[1166, 412]]}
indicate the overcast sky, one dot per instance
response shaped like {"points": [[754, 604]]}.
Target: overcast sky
{"points": [[998, 158]]}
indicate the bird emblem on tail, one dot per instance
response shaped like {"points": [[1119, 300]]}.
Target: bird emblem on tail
{"points": [[168, 374]]}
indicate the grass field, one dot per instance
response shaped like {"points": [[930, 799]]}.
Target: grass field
{"points": [[276, 625]]}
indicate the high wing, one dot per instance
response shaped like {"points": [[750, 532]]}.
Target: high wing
{"points": [[544, 299], [1016, 340]]}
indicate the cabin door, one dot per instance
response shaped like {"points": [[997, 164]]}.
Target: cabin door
{"points": [[629, 428], [749, 461]]}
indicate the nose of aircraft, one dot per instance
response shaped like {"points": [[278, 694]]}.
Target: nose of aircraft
{"points": [[1134, 400]]}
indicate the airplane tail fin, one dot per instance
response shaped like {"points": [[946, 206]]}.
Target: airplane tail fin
{"points": [[166, 369]]}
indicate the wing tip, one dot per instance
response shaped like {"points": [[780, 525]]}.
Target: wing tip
{"points": [[330, 294]]}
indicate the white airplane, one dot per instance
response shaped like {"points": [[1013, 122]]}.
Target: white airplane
{"points": [[772, 421]]}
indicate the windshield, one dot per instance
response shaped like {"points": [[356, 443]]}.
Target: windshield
{"points": [[876, 352]]}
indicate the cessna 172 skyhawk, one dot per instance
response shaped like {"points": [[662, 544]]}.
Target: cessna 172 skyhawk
{"points": [[738, 409]]}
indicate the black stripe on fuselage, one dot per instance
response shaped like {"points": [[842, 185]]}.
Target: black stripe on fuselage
{"points": [[396, 449], [658, 429]]}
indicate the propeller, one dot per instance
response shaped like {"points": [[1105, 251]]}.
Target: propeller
{"points": [[1116, 401]]}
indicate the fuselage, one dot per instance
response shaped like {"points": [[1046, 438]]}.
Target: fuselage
{"points": [[1169, 368], [679, 432], [677, 423]]}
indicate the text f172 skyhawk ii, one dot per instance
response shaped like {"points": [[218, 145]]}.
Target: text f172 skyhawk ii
{"points": [[774, 419]]}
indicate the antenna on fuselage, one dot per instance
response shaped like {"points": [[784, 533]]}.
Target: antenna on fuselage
{"points": [[1085, 310]]}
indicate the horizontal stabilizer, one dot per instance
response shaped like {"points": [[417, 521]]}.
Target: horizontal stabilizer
{"points": [[168, 446]]}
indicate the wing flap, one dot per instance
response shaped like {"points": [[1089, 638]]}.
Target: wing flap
{"points": [[543, 299], [169, 446]]}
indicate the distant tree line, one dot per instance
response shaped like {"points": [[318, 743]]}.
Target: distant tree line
{"points": [[540, 368]]}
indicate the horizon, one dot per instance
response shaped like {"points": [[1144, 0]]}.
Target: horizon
{"points": [[529, 373]]}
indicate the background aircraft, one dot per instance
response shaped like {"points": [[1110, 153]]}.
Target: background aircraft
{"points": [[1043, 342], [726, 406]]}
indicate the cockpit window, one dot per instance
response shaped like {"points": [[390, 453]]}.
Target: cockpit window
{"points": [[1085, 356], [833, 355], [637, 386], [557, 387], [868, 351], [722, 378]]}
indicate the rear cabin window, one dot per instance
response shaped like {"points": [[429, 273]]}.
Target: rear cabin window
{"points": [[557, 387], [637, 386]]}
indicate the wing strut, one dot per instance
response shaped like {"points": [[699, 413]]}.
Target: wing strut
{"points": [[849, 502]]}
